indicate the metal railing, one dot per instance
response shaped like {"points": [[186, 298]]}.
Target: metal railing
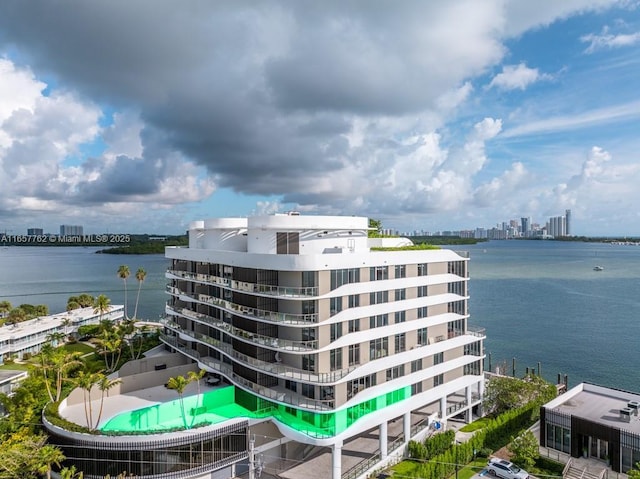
{"points": [[267, 341], [271, 290], [275, 368], [263, 391], [362, 467]]}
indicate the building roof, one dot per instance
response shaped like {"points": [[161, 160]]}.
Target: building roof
{"points": [[598, 404]]}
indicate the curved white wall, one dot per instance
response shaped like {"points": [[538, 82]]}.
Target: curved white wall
{"points": [[225, 234]]}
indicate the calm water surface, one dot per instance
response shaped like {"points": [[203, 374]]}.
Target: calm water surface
{"points": [[540, 301]]}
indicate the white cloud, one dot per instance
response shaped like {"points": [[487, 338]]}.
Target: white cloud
{"points": [[518, 76], [606, 40]]}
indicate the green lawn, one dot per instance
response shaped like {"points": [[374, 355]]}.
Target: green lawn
{"points": [[475, 425], [406, 467], [78, 348], [474, 467]]}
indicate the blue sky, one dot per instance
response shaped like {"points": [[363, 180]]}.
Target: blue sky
{"points": [[443, 115]]}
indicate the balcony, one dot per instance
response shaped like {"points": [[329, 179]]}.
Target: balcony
{"points": [[265, 289], [277, 369], [247, 336], [276, 394], [246, 311]]}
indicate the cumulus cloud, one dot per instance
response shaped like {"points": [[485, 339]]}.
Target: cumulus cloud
{"points": [[333, 106], [606, 40], [517, 77]]}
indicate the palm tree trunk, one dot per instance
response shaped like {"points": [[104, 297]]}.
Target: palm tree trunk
{"points": [[135, 311]]}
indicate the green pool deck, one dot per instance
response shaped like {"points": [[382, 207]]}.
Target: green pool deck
{"points": [[230, 402]]}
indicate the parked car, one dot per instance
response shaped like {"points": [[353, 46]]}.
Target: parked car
{"points": [[505, 469]]}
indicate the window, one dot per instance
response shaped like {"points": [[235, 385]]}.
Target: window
{"points": [[472, 369], [400, 316], [457, 307], [422, 312], [344, 276], [308, 390], [400, 271], [354, 300], [354, 354], [438, 358], [457, 287], [423, 339], [335, 359], [354, 325], [379, 297], [336, 331], [291, 385], [438, 380], [309, 362], [455, 328], [416, 365], [287, 243], [400, 342], [422, 269], [416, 388], [378, 321], [308, 279], [473, 349], [308, 334], [422, 291], [308, 307], [401, 294], [357, 385], [458, 268], [378, 348], [335, 305], [377, 273], [395, 372]]}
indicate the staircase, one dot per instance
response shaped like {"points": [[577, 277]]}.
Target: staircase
{"points": [[583, 469]]}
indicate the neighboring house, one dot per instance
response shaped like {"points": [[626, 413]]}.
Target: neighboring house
{"points": [[9, 381], [29, 336], [596, 422]]}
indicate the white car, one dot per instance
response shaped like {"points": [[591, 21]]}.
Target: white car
{"points": [[505, 469]]}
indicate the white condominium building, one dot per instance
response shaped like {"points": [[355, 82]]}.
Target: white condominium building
{"points": [[321, 333]]}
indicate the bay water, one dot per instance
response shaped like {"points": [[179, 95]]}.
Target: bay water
{"points": [[540, 301]]}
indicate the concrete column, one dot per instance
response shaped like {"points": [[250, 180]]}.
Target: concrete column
{"points": [[406, 426], [443, 407], [336, 461], [468, 414], [383, 440]]}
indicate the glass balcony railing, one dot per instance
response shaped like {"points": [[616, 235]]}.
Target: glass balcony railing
{"points": [[259, 339], [274, 368], [271, 290], [286, 397], [246, 311]]}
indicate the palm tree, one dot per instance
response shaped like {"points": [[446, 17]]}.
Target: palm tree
{"points": [[85, 381], [47, 456], [66, 322], [104, 384], [55, 338], [85, 300], [179, 384], [193, 376], [5, 307], [102, 305], [123, 274], [141, 274], [71, 473]]}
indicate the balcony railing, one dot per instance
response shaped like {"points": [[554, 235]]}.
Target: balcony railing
{"points": [[263, 391], [271, 290], [252, 313], [477, 331], [259, 339], [277, 369]]}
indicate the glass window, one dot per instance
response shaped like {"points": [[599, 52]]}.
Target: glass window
{"points": [[287, 243], [401, 294], [378, 348], [416, 365], [308, 307], [336, 331], [438, 380], [416, 388], [438, 358], [308, 390], [422, 269], [378, 321], [400, 342], [395, 372], [354, 300], [377, 273], [308, 334], [354, 354], [354, 325], [422, 312], [309, 362], [308, 279], [335, 359], [344, 276], [379, 297], [291, 385], [335, 305], [400, 316], [400, 271], [423, 339], [422, 291]]}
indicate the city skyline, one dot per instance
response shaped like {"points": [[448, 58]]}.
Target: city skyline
{"points": [[432, 115]]}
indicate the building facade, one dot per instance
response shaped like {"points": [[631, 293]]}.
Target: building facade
{"points": [[320, 333], [71, 230]]}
